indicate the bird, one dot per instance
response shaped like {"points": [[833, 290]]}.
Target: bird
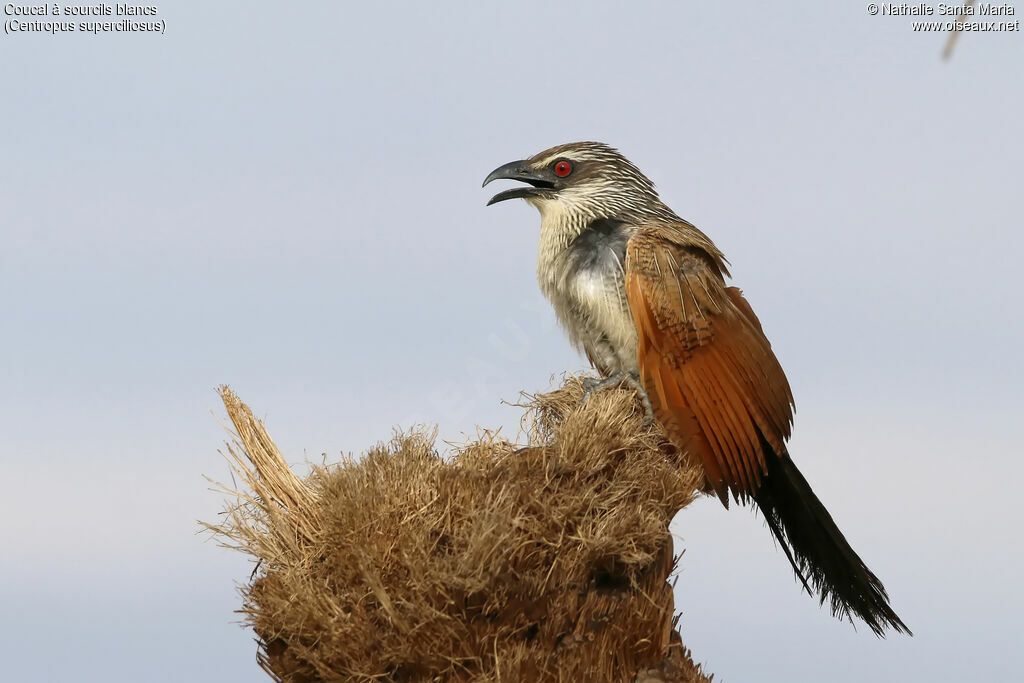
{"points": [[643, 293]]}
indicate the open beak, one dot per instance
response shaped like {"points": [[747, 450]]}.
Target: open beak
{"points": [[541, 182]]}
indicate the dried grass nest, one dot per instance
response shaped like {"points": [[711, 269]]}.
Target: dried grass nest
{"points": [[548, 561]]}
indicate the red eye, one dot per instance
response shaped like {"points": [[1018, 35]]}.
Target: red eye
{"points": [[563, 168]]}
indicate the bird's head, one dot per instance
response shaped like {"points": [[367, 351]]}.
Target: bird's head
{"points": [[579, 181]]}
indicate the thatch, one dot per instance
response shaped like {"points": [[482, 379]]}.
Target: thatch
{"points": [[543, 562]]}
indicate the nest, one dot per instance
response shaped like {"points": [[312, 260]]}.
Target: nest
{"points": [[549, 561]]}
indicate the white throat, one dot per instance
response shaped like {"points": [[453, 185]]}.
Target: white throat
{"points": [[561, 221]]}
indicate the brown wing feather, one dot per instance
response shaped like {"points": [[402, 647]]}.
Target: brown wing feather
{"points": [[712, 377]]}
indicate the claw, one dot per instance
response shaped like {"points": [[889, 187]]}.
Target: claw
{"points": [[591, 385]]}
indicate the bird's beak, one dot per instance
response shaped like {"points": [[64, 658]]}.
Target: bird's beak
{"points": [[540, 181]]}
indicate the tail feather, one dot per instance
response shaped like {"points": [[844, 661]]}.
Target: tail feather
{"points": [[818, 551]]}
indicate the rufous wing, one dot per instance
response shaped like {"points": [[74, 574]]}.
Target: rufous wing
{"points": [[709, 370]]}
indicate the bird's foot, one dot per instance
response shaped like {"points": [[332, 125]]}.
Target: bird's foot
{"points": [[592, 385]]}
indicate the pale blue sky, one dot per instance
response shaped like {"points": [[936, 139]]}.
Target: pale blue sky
{"points": [[288, 201]]}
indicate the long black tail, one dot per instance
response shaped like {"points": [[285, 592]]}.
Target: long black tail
{"points": [[819, 552]]}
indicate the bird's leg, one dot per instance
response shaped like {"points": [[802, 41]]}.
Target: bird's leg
{"points": [[591, 385]]}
